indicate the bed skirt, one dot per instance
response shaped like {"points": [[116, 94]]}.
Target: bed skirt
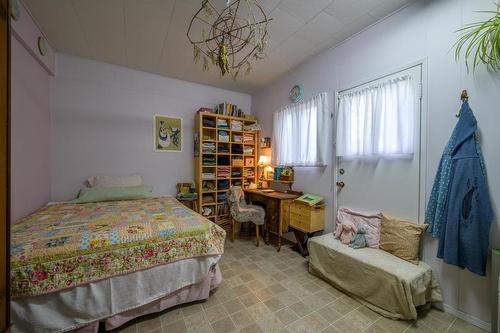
{"points": [[118, 299], [195, 292]]}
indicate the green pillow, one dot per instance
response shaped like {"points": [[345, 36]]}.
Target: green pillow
{"points": [[96, 194]]}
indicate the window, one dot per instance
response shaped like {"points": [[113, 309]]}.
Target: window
{"points": [[378, 119], [299, 132]]}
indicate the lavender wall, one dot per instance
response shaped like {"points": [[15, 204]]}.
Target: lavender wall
{"points": [[425, 30], [102, 123], [30, 132]]}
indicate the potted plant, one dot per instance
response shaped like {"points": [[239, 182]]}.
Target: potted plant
{"points": [[480, 42]]}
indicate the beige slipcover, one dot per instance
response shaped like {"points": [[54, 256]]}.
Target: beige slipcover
{"points": [[383, 282]]}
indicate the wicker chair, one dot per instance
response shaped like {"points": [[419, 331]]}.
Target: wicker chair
{"points": [[242, 212]]}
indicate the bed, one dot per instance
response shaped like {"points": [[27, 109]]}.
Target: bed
{"points": [[73, 265]]}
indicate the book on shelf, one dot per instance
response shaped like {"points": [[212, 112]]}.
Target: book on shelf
{"points": [[228, 109]]}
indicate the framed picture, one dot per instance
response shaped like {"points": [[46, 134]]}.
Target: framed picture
{"points": [[167, 134]]}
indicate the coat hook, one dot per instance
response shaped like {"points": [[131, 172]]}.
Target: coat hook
{"points": [[464, 97]]}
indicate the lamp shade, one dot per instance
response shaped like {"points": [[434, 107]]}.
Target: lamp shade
{"points": [[264, 160]]}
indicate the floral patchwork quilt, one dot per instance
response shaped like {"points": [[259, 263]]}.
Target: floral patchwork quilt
{"points": [[65, 245]]}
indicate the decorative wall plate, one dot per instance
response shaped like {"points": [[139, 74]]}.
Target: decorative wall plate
{"points": [[296, 93], [42, 46], [15, 11]]}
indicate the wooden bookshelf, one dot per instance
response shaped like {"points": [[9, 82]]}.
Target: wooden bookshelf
{"points": [[215, 170]]}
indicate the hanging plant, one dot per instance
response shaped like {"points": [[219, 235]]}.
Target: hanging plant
{"points": [[480, 42]]}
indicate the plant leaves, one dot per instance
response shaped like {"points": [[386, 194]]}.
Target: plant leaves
{"points": [[480, 43]]}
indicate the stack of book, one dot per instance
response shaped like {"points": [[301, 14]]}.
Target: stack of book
{"points": [[228, 109]]}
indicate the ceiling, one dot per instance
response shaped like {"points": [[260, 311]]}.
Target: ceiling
{"points": [[150, 35]]}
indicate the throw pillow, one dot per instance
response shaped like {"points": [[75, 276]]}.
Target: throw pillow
{"points": [[401, 238]]}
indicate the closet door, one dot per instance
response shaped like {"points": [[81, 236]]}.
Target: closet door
{"points": [[4, 166]]}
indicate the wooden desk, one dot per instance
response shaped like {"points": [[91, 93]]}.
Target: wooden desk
{"points": [[277, 210]]}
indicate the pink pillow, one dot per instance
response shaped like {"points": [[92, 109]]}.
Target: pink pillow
{"points": [[371, 222]]}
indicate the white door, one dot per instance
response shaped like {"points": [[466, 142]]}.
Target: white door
{"points": [[384, 185]]}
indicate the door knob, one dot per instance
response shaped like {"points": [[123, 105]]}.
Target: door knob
{"points": [[340, 184]]}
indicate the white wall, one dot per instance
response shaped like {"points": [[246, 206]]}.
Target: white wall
{"points": [[423, 30], [102, 123], [30, 133]]}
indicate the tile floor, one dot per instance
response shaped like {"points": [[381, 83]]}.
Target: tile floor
{"points": [[267, 291]]}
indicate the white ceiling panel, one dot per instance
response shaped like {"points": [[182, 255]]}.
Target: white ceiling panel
{"points": [[293, 51], [314, 30], [346, 11], [282, 26], [304, 10], [71, 36], [387, 7], [177, 52], [146, 25], [103, 25], [150, 35]]}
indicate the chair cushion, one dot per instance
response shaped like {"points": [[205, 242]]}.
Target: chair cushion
{"points": [[248, 213]]}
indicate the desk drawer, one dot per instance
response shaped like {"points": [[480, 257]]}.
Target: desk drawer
{"points": [[298, 221], [300, 210], [307, 218]]}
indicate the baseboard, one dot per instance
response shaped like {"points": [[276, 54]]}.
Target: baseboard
{"points": [[467, 317]]}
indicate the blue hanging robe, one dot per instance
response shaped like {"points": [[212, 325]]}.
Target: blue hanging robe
{"points": [[465, 219]]}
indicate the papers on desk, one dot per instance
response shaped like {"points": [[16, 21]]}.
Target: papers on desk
{"points": [[310, 199]]}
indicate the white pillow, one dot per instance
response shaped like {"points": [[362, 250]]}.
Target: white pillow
{"points": [[113, 181]]}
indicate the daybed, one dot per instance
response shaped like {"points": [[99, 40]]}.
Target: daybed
{"points": [[73, 265], [383, 282]]}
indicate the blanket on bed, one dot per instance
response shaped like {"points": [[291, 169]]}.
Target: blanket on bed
{"points": [[65, 245]]}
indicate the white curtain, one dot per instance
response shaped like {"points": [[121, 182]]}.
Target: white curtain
{"points": [[300, 132], [378, 120]]}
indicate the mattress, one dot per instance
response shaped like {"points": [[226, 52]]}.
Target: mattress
{"points": [[65, 245]]}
